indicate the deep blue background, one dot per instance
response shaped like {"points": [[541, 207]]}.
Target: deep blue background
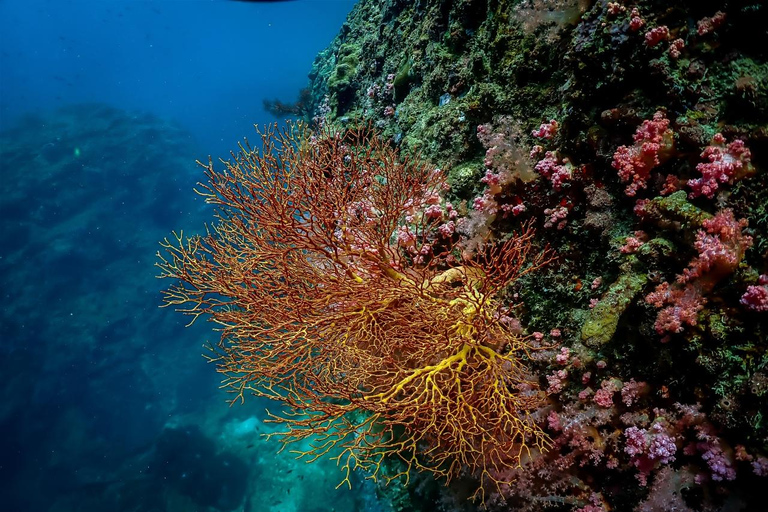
{"points": [[205, 63]]}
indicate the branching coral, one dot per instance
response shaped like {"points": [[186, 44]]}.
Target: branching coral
{"points": [[336, 289]]}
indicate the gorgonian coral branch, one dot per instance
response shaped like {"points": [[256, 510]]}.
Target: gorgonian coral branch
{"points": [[375, 348]]}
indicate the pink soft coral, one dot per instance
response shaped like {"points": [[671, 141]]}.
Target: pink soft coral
{"points": [[554, 169], [725, 164], [654, 141], [684, 304], [721, 246], [756, 296]]}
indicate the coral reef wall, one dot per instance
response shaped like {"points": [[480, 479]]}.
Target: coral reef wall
{"points": [[634, 135]]}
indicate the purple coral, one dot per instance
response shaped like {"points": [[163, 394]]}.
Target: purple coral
{"points": [[719, 464], [756, 296], [760, 466], [636, 442], [662, 447]]}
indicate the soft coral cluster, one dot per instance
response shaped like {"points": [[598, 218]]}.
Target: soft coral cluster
{"points": [[721, 246], [756, 296], [725, 164], [557, 170], [506, 163], [649, 448], [645, 434], [504, 154], [654, 141]]}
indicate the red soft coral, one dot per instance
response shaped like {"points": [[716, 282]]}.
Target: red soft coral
{"points": [[654, 140]]}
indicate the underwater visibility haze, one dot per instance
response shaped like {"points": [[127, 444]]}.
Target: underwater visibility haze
{"points": [[479, 255]]}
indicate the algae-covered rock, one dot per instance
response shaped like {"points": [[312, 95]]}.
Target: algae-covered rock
{"points": [[676, 208], [430, 73], [603, 319], [341, 82]]}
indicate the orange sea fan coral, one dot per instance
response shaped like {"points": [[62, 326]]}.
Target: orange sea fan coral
{"points": [[374, 352]]}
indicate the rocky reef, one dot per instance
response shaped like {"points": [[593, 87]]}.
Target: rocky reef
{"points": [[634, 137]]}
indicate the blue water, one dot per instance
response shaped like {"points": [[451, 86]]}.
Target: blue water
{"points": [[106, 402], [207, 64]]}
